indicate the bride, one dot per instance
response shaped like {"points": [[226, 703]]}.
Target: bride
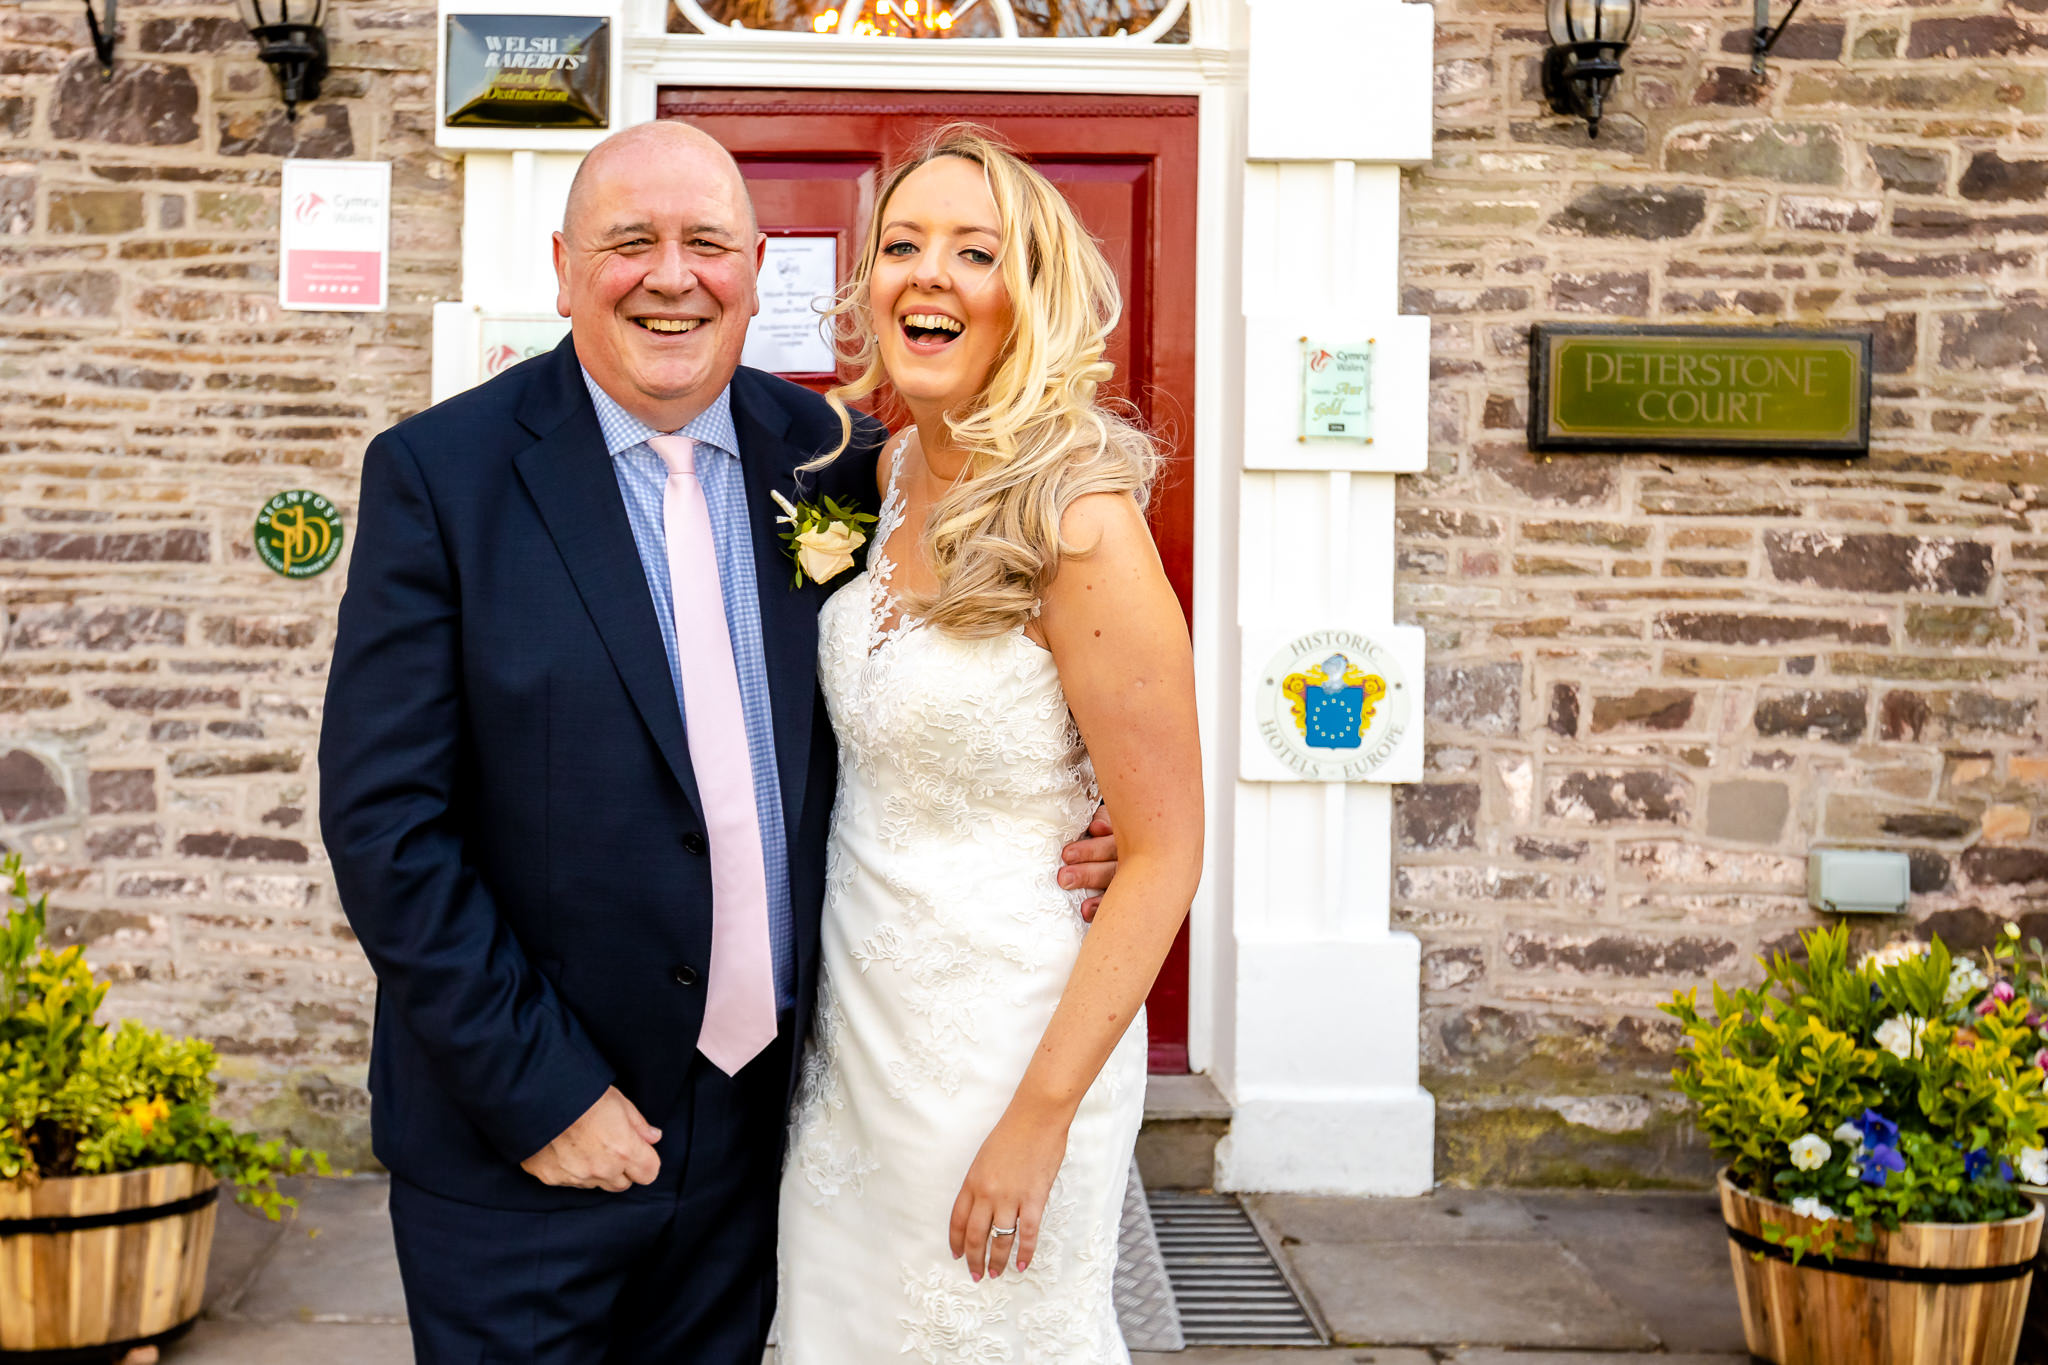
{"points": [[1012, 653]]}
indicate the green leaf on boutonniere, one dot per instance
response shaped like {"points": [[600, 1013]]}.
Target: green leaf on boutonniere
{"points": [[820, 537]]}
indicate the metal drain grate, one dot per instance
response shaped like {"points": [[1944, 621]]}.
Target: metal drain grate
{"points": [[1230, 1290]]}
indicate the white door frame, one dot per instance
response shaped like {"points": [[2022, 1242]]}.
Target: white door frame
{"points": [[1100, 67]]}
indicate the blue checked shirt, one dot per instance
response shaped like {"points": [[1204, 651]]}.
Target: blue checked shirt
{"points": [[642, 477]]}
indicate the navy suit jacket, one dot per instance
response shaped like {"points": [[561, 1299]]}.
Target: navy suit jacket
{"points": [[506, 794]]}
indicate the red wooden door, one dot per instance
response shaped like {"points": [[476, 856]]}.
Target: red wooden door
{"points": [[813, 160]]}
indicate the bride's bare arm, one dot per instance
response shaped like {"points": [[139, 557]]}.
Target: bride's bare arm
{"points": [[1116, 633]]}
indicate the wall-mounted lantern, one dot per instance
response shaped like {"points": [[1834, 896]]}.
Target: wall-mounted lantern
{"points": [[1587, 38], [103, 37], [1767, 37], [294, 48]]}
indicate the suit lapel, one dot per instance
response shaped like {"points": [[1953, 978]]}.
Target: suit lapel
{"points": [[570, 477], [789, 615]]}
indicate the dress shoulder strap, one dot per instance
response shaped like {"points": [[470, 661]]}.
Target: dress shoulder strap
{"points": [[896, 463]]}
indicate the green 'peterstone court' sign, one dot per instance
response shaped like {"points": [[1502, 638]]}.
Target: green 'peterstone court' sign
{"points": [[1699, 389]]}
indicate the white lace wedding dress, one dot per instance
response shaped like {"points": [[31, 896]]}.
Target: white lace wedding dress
{"points": [[947, 944]]}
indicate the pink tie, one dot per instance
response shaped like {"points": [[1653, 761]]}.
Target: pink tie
{"points": [[739, 997]]}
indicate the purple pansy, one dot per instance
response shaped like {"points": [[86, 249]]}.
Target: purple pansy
{"points": [[1977, 1165], [1880, 1160], [1879, 1131]]}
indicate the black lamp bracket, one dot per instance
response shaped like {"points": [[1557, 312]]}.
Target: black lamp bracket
{"points": [[1577, 77], [1766, 36], [102, 37], [297, 54]]}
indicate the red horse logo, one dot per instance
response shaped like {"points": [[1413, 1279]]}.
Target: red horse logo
{"points": [[1318, 361], [498, 358], [308, 207]]}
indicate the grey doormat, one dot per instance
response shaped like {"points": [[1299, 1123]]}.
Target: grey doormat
{"points": [[1145, 1306]]}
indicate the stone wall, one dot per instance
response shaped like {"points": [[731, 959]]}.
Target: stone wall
{"points": [[1657, 682], [160, 689]]}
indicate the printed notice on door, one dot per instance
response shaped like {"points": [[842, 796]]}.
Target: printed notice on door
{"points": [[797, 281], [334, 241]]}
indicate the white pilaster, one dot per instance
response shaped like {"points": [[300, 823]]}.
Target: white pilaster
{"points": [[1327, 995]]}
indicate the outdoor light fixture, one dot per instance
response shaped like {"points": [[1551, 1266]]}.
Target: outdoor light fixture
{"points": [[102, 37], [294, 49], [1766, 36], [1587, 38]]}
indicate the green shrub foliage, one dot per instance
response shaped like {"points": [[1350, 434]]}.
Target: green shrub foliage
{"points": [[1903, 1088], [80, 1098]]}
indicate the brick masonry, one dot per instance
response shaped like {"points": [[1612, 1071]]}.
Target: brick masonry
{"points": [[160, 689], [1654, 682]]}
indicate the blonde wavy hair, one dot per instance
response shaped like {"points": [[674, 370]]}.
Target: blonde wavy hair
{"points": [[1039, 434]]}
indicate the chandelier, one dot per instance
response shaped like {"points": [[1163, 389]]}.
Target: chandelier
{"points": [[890, 19]]}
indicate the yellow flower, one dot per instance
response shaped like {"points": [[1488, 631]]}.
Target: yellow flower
{"points": [[145, 1114]]}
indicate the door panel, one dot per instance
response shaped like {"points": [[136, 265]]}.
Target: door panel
{"points": [[813, 161]]}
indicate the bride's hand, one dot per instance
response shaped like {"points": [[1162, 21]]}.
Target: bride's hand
{"points": [[1007, 1187]]}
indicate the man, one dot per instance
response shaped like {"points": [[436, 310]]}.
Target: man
{"points": [[576, 781]]}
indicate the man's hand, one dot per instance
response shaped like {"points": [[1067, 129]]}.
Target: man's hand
{"points": [[1090, 863], [610, 1148]]}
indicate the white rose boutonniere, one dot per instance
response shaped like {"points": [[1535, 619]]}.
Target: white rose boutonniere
{"points": [[821, 537]]}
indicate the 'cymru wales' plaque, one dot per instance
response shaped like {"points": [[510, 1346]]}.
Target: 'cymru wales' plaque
{"points": [[528, 71], [1336, 391]]}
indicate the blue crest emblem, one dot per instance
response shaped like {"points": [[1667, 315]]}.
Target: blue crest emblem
{"points": [[1333, 702]]}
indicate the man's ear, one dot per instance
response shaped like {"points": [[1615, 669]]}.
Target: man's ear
{"points": [[562, 275], [760, 260]]}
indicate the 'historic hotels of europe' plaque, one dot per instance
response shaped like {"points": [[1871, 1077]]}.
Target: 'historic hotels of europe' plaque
{"points": [[1333, 705], [1723, 390], [528, 71]]}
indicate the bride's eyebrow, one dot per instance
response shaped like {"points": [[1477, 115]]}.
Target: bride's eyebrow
{"points": [[895, 223]]}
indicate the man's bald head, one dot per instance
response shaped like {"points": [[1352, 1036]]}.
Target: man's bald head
{"points": [[662, 147], [657, 269]]}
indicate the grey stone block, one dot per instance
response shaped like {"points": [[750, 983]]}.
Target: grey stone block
{"points": [[334, 1262], [1478, 1293], [1447, 1216], [244, 1343]]}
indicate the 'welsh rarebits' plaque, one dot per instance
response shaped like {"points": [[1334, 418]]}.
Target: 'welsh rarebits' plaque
{"points": [[528, 71]]}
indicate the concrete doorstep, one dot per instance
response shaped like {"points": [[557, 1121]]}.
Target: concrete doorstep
{"points": [[1459, 1277]]}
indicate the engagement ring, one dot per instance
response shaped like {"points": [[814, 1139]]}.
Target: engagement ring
{"points": [[1002, 1232]]}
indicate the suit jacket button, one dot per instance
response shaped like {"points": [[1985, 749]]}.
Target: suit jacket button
{"points": [[684, 975], [693, 842]]}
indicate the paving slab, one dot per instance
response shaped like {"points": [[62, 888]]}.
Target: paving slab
{"points": [[1443, 1217], [334, 1261], [1239, 1355], [1663, 1256], [1491, 1356], [1464, 1293], [252, 1343], [243, 1240]]}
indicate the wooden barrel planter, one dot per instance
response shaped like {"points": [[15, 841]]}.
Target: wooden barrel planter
{"points": [[1928, 1294], [93, 1266]]}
